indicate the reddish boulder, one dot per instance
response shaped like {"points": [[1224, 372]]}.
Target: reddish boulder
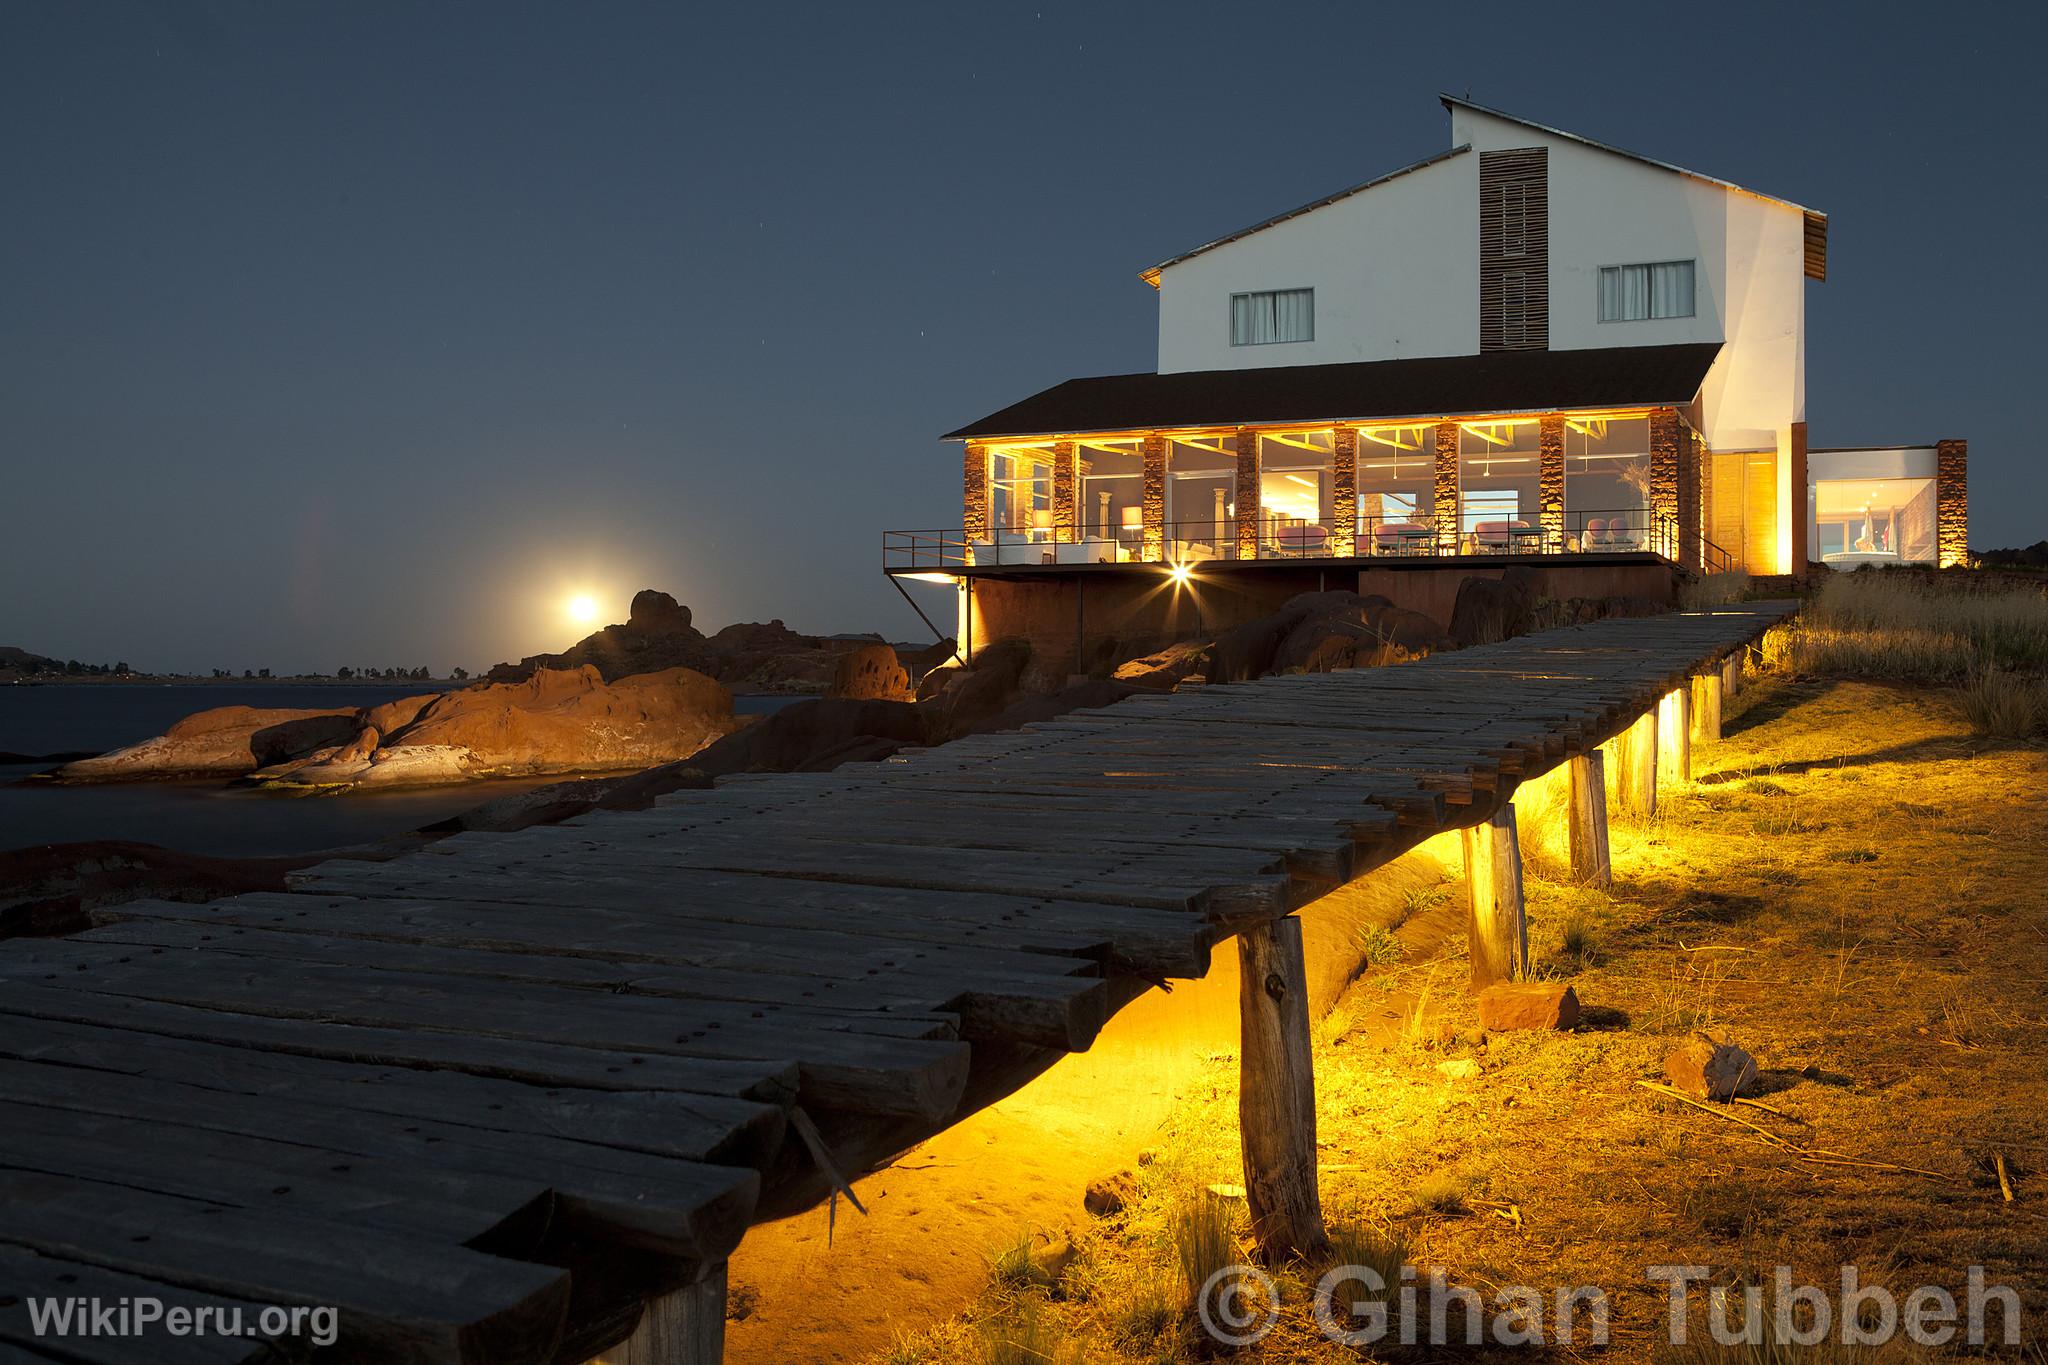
{"points": [[871, 673], [570, 720], [1709, 1068], [226, 741], [1528, 1005]]}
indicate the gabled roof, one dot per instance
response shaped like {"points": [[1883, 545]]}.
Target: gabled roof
{"points": [[1489, 384], [1453, 102], [1151, 276], [1816, 221]]}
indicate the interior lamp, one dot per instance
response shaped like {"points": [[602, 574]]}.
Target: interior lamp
{"points": [[1134, 517]]}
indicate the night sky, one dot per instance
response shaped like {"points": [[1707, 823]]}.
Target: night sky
{"points": [[364, 334]]}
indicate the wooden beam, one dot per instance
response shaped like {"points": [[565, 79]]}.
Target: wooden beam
{"points": [[1635, 765], [1706, 708], [1731, 676], [1588, 819], [1498, 927], [1276, 1105], [1674, 733], [683, 1327]]}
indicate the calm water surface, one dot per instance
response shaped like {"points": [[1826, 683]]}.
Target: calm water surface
{"points": [[205, 817]]}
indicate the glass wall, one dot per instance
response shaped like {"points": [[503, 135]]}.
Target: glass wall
{"points": [[1201, 486], [1498, 504], [1019, 489], [1396, 489], [1606, 483], [1112, 496], [1874, 521], [1296, 488]]}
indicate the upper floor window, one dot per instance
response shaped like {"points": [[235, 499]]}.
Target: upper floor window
{"points": [[1272, 315], [1630, 293]]}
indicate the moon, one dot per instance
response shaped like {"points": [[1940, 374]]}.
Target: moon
{"points": [[583, 609]]}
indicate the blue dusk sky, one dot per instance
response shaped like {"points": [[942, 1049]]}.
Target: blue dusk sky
{"points": [[358, 333]]}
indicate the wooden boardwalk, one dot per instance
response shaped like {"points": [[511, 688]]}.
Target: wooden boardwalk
{"points": [[492, 1098]]}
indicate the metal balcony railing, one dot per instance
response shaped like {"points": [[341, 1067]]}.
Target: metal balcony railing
{"points": [[1474, 532]]}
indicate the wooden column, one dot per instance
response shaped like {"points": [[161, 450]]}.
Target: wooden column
{"points": [[1445, 493], [683, 1327], [1276, 1106], [1674, 733], [1706, 708], [1588, 821], [1155, 499], [1344, 491], [1550, 480], [1248, 518], [1498, 928], [1731, 676], [974, 485], [1635, 765]]}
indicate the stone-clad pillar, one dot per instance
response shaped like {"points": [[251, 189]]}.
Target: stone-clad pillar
{"points": [[1155, 498], [1065, 477], [1690, 550], [1952, 502], [1446, 497], [1248, 518], [1344, 490], [1550, 480], [1665, 436], [974, 517]]}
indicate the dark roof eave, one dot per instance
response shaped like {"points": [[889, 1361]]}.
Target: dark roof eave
{"points": [[1366, 391]]}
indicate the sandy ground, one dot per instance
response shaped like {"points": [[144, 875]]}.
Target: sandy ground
{"points": [[1854, 889]]}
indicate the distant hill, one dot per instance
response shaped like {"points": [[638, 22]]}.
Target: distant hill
{"points": [[12, 657]]}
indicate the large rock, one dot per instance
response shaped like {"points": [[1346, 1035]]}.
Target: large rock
{"points": [[1710, 1068], [1489, 610], [1163, 670], [803, 736], [224, 742], [556, 721], [1507, 1005], [871, 673]]}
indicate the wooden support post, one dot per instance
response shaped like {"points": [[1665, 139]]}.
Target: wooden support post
{"points": [[1276, 1105], [1498, 928], [1674, 732], [1635, 766], [1590, 863], [1731, 676], [1706, 708], [683, 1327]]}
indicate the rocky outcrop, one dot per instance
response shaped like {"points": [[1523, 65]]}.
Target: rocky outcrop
{"points": [[555, 721], [224, 742], [660, 634], [871, 673], [1315, 632], [558, 720]]}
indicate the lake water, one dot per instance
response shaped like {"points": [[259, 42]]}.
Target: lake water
{"points": [[208, 817]]}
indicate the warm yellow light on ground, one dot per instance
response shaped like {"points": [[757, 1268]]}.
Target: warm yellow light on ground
{"points": [[582, 609]]}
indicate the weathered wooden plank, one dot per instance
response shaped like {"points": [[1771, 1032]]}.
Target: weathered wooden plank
{"points": [[865, 1061], [697, 1127], [398, 1299], [28, 1275], [678, 1208]]}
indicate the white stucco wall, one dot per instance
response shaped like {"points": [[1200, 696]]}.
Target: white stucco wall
{"points": [[1396, 274], [1382, 262]]}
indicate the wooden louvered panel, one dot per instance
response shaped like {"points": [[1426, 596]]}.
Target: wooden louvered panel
{"points": [[1514, 250], [1816, 246]]}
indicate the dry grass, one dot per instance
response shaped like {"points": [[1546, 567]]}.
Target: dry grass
{"points": [[2004, 705], [1910, 628], [1851, 890], [1714, 590]]}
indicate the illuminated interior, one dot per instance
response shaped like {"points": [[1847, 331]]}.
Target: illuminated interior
{"points": [[1498, 506], [1606, 482], [1874, 521]]}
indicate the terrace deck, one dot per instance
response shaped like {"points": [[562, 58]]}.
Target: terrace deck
{"points": [[494, 1097]]}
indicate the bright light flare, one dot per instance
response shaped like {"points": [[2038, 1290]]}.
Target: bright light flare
{"points": [[1180, 573], [582, 609]]}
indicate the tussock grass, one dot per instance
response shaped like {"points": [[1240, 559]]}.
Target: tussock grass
{"points": [[1440, 1194], [2003, 704], [1908, 628], [1714, 590], [1200, 1229], [1021, 1334]]}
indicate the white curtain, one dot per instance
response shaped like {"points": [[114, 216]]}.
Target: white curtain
{"points": [[1279, 315], [1629, 293], [1671, 290]]}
